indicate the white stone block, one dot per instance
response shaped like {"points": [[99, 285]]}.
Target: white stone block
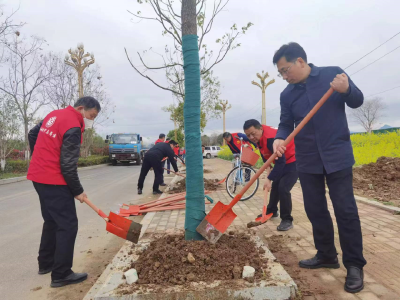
{"points": [[131, 276], [248, 272]]}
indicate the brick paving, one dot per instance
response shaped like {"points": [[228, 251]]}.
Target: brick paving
{"points": [[381, 237]]}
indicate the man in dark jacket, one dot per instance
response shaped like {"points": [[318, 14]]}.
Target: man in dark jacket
{"points": [[55, 146], [153, 160], [323, 152]]}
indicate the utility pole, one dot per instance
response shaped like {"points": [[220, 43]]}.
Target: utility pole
{"points": [[263, 87], [224, 108], [176, 136], [77, 56]]}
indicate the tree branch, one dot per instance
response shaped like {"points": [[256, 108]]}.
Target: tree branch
{"points": [[147, 77]]}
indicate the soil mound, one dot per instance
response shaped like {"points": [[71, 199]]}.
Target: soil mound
{"points": [[180, 186], [380, 180], [171, 260]]}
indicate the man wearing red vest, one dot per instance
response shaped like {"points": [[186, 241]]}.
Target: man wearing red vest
{"points": [[234, 143], [55, 145], [283, 176]]}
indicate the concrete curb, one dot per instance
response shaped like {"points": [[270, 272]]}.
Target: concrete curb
{"points": [[23, 178], [392, 209]]}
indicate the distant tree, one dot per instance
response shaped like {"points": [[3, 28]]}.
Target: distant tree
{"points": [[9, 128], [368, 114], [28, 70], [205, 140], [214, 139], [180, 135], [220, 139]]}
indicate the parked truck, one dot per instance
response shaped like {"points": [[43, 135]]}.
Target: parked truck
{"points": [[124, 147]]}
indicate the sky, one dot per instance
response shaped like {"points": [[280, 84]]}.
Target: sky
{"points": [[333, 33]]}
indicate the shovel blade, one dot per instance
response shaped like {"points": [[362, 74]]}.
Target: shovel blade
{"points": [[123, 228], [216, 222]]}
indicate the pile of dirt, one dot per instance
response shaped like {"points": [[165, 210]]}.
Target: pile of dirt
{"points": [[380, 180], [171, 260], [180, 186]]}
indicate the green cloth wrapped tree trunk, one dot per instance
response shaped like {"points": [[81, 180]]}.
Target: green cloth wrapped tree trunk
{"points": [[195, 206]]}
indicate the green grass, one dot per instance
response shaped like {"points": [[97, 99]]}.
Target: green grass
{"points": [[11, 175]]}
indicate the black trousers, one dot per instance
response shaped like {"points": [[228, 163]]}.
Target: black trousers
{"points": [[163, 166], [280, 192], [59, 229], [168, 166], [148, 163], [340, 186]]}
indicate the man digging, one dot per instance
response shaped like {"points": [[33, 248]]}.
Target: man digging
{"points": [[323, 153], [153, 160], [55, 146], [282, 177]]}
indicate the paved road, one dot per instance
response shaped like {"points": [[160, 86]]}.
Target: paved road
{"points": [[21, 225]]}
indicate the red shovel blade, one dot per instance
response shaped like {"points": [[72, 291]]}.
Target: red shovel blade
{"points": [[123, 228], [214, 217], [264, 218]]}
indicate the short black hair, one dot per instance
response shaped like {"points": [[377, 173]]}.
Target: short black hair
{"points": [[168, 139], [88, 103], [226, 135], [250, 123], [172, 142], [162, 135], [291, 52]]}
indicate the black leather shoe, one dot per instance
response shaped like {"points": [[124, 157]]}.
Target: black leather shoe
{"points": [[316, 263], [354, 280], [70, 279], [157, 192], [163, 184], [285, 225], [44, 271], [139, 191]]}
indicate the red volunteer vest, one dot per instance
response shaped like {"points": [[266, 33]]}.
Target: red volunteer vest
{"points": [[236, 141], [270, 133], [159, 141], [176, 150], [45, 164]]}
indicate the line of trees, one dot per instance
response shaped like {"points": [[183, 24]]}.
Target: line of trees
{"points": [[33, 82]]}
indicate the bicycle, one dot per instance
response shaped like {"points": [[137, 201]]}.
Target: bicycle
{"points": [[239, 176]]}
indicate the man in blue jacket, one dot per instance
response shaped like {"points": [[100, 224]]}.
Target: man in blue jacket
{"points": [[323, 152]]}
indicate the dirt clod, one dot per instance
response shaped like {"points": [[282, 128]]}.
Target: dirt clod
{"points": [[253, 224], [191, 258], [36, 289]]}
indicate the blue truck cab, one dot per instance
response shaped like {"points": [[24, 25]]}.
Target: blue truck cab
{"points": [[124, 147]]}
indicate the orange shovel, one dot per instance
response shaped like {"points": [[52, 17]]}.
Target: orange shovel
{"points": [[264, 217], [118, 225], [221, 216]]}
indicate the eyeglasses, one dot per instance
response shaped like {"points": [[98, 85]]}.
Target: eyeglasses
{"points": [[284, 72]]}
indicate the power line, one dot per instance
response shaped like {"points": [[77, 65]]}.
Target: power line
{"points": [[383, 92], [376, 60], [371, 51]]}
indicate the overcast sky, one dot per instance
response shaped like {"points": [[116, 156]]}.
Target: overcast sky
{"points": [[333, 33]]}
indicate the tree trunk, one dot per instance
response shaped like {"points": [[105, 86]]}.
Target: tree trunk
{"points": [[195, 207], [27, 149]]}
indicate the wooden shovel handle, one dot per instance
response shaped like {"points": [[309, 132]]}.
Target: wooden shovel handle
{"points": [[285, 143], [96, 209]]}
